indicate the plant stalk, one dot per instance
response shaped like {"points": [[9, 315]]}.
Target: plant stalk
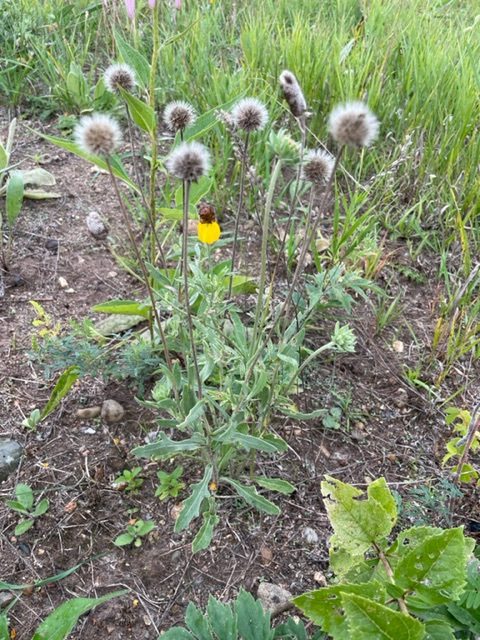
{"points": [[239, 212]]}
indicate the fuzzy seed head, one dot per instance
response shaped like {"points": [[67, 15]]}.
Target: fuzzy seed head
{"points": [[189, 161], [98, 135], [179, 115], [250, 115], [119, 76], [354, 124], [293, 94], [318, 167]]}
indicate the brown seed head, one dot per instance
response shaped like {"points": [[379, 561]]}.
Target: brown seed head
{"points": [[250, 115], [119, 76], [178, 115], [353, 124], [293, 94], [98, 135], [318, 167], [189, 161]]}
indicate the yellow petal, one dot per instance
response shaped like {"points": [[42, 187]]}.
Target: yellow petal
{"points": [[208, 232]]}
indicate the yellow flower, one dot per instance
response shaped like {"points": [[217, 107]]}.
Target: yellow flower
{"points": [[208, 232]]}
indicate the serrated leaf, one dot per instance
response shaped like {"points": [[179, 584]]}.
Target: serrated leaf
{"points": [[142, 114], [58, 624], [436, 569], [23, 527], [165, 447], [358, 523], [276, 484], [14, 197], [124, 307], [60, 390], [323, 606], [367, 619], [176, 633], [191, 506], [197, 623], [222, 620], [253, 498], [253, 622], [205, 534]]}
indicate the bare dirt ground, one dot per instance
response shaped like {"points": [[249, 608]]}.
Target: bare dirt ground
{"points": [[386, 428]]}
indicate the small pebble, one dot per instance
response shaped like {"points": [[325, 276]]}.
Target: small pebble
{"points": [[310, 535], [62, 282], [112, 411], [272, 595], [398, 346]]}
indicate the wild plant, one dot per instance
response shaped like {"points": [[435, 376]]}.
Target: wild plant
{"points": [[226, 370], [134, 533], [465, 425], [130, 480], [170, 484], [26, 505]]}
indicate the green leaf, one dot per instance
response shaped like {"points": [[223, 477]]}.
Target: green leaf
{"points": [[4, 635], [253, 622], [323, 606], [222, 620], [117, 167], [13, 205], [40, 194], [24, 495], [40, 583], [194, 415], [191, 506], [205, 534], [41, 508], [134, 58], [60, 390], [59, 623], [198, 190], [176, 633], [251, 442], [276, 484], [124, 307], [358, 524], [438, 630], [367, 619], [3, 157], [16, 506], [23, 526], [241, 284], [123, 539], [436, 569], [145, 527], [197, 623], [298, 415], [166, 448], [142, 114], [171, 214], [38, 176], [252, 497]]}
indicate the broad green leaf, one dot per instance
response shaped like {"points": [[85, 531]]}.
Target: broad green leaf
{"points": [[117, 323], [41, 508], [205, 534], [171, 214], [323, 606], [14, 198], [142, 114], [38, 176], [3, 157], [241, 284], [117, 167], [24, 495], [253, 622], [60, 390], [207, 120], [198, 190], [123, 539], [197, 623], [23, 527], [4, 635], [436, 569], [191, 506], [59, 623], [252, 442], [252, 497], [176, 633], [276, 484], [222, 620], [438, 630], [124, 307], [165, 447], [134, 58], [145, 527], [16, 506], [368, 620], [194, 414], [358, 523]]}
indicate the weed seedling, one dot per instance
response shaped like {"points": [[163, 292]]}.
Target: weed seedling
{"points": [[169, 485], [129, 480], [134, 533], [24, 504]]}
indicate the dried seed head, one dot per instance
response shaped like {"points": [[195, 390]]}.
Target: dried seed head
{"points": [[119, 76], [318, 167], [250, 115], [98, 135], [293, 94], [189, 161], [179, 115], [354, 124]]}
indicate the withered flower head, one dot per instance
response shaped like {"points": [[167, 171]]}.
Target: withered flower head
{"points": [[354, 124], [293, 94], [98, 135], [189, 161], [178, 115], [119, 76], [318, 167], [250, 115]]}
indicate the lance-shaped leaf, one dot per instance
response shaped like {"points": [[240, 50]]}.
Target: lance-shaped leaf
{"points": [[60, 390], [166, 448], [124, 307], [142, 114], [192, 505], [15, 190], [205, 534], [252, 497]]}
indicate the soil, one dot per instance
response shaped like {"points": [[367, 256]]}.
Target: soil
{"points": [[387, 428]]}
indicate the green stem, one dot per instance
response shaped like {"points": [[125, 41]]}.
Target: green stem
{"points": [[239, 212], [153, 135]]}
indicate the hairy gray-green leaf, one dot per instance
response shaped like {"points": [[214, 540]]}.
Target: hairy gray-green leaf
{"points": [[14, 197], [252, 497], [192, 505]]}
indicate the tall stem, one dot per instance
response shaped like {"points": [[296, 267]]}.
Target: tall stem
{"points": [[153, 136], [239, 212], [186, 198], [146, 279]]}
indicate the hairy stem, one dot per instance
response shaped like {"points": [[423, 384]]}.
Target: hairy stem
{"points": [[239, 211]]}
